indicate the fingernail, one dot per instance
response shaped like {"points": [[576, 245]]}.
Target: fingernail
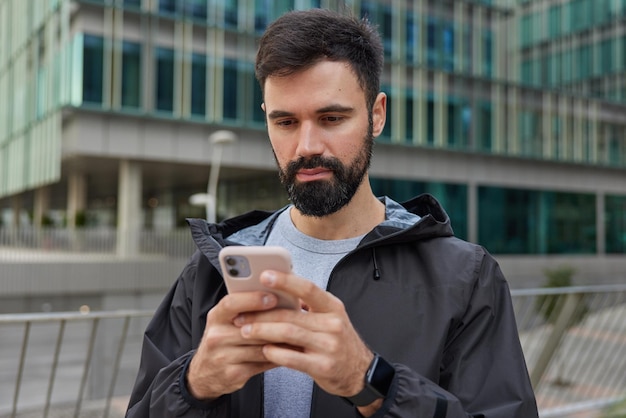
{"points": [[245, 330], [239, 320], [269, 277], [268, 300]]}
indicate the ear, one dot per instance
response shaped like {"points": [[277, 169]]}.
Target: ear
{"points": [[263, 106], [379, 114]]}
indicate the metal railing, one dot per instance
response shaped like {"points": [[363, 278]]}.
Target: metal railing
{"points": [[574, 340], [44, 243], [63, 361]]}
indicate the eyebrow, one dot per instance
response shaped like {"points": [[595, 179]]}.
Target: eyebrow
{"points": [[334, 108]]}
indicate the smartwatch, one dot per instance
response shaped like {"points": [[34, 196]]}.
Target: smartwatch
{"points": [[378, 379]]}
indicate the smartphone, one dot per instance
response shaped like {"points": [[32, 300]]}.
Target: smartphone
{"points": [[242, 266]]}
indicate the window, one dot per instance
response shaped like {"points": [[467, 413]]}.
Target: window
{"points": [[93, 55], [432, 43], [447, 40], [230, 13], [167, 7], [387, 31], [615, 224], [164, 79], [132, 4], [261, 8], [131, 74], [198, 84], [584, 62], [430, 119], [459, 122], [230, 92], [196, 9], [408, 111], [412, 38], [530, 133], [484, 129], [554, 21], [488, 53], [536, 222], [607, 58], [525, 31]]}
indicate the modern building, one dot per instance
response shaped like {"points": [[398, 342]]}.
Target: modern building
{"points": [[511, 112]]}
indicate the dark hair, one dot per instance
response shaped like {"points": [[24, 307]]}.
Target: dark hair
{"points": [[299, 39]]}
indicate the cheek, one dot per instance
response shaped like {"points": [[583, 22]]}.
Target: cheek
{"points": [[281, 154]]}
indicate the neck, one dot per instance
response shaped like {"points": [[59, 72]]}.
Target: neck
{"points": [[358, 217]]}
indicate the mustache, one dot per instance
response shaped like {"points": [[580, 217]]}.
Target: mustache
{"points": [[314, 162]]}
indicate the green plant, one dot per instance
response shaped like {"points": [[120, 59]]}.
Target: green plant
{"points": [[46, 221], [550, 305], [80, 219], [616, 411]]}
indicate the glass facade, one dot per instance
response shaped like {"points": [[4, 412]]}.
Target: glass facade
{"points": [[615, 224], [453, 197], [93, 69], [131, 75], [576, 46], [198, 84], [447, 76], [513, 221], [539, 80], [164, 80]]}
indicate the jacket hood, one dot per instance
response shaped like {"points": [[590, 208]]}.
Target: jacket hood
{"points": [[419, 218]]}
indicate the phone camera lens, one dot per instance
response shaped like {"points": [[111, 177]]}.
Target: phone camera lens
{"points": [[231, 261], [234, 272]]}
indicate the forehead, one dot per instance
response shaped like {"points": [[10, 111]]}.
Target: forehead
{"points": [[324, 82]]}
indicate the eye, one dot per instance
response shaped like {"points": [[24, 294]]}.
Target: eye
{"points": [[333, 118], [285, 122]]}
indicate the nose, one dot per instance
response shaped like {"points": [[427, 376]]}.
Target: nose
{"points": [[310, 140]]}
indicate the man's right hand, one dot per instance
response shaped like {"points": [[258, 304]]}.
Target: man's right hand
{"points": [[224, 361]]}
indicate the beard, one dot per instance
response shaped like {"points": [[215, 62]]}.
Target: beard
{"points": [[323, 197]]}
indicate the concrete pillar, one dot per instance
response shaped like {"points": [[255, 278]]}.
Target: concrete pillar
{"points": [[76, 197], [129, 216], [41, 205]]}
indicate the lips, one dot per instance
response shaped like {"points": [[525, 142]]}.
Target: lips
{"points": [[311, 174]]}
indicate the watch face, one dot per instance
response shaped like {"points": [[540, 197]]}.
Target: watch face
{"points": [[381, 376]]}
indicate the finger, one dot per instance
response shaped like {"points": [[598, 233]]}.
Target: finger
{"points": [[243, 354], [233, 304], [286, 356], [315, 298], [291, 335], [312, 321]]}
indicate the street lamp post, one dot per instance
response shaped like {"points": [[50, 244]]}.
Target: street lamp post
{"points": [[217, 140]]}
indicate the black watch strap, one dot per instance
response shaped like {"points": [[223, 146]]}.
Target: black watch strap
{"points": [[378, 379]]}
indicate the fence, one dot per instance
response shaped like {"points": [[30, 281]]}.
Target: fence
{"points": [[43, 243], [77, 363], [574, 340]]}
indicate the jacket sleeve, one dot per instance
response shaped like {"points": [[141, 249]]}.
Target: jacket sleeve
{"points": [[167, 349], [482, 372]]}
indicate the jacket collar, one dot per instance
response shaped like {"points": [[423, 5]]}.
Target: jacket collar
{"points": [[419, 218]]}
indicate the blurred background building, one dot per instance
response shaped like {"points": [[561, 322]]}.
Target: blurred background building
{"points": [[511, 112]]}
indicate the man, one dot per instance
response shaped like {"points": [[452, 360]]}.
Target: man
{"points": [[399, 317]]}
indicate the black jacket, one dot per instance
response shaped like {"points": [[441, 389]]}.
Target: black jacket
{"points": [[436, 307]]}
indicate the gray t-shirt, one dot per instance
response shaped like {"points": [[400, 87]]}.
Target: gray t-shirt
{"points": [[288, 392]]}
